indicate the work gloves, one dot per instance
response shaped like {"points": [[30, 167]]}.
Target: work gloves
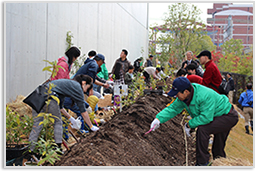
{"points": [[187, 129], [76, 124], [94, 128], [102, 121], [155, 124]]}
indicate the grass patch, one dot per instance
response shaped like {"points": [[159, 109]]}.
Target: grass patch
{"points": [[239, 144]]}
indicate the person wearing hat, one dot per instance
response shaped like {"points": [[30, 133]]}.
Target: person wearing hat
{"points": [[90, 68], [212, 77], [230, 87], [211, 113]]}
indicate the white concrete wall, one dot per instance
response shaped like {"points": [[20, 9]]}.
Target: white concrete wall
{"points": [[37, 31]]}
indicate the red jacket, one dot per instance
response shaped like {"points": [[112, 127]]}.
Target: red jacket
{"points": [[195, 79], [62, 74], [211, 75]]}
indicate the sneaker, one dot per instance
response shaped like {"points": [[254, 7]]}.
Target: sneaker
{"points": [[77, 124], [94, 128], [82, 132]]}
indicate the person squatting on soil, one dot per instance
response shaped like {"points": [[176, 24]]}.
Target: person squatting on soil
{"points": [[90, 68], [151, 71], [75, 89], [246, 100], [211, 113], [66, 62]]}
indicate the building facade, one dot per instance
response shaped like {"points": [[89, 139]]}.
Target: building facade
{"points": [[37, 31], [231, 21]]}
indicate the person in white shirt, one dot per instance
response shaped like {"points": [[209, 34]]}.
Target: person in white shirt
{"points": [[151, 71]]}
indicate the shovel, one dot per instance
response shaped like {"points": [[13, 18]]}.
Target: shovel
{"points": [[149, 131]]}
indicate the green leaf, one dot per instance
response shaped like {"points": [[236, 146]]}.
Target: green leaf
{"points": [[52, 120], [47, 68]]}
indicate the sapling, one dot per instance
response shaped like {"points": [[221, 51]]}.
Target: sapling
{"points": [[17, 126], [153, 82], [46, 145]]}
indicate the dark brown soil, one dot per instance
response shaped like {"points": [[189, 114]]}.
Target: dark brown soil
{"points": [[119, 142]]}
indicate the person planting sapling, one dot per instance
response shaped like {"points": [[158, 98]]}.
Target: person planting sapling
{"points": [[211, 113]]}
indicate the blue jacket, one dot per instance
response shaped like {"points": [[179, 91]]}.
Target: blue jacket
{"points": [[244, 99], [90, 68]]}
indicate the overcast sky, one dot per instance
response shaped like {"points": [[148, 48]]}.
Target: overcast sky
{"points": [[156, 11]]}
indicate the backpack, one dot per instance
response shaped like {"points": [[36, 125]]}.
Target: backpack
{"points": [[222, 88]]}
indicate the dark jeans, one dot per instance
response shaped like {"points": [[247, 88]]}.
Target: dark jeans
{"points": [[147, 77], [220, 128], [96, 88]]}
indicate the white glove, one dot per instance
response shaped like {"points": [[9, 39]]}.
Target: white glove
{"points": [[76, 124], [110, 82], [187, 130], [155, 124], [102, 121], [89, 110], [94, 128]]}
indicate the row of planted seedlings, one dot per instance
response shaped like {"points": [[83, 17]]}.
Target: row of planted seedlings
{"points": [[139, 88]]}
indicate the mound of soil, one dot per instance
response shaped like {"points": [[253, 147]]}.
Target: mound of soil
{"points": [[120, 141]]}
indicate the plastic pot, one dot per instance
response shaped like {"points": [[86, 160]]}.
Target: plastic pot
{"points": [[15, 151]]}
